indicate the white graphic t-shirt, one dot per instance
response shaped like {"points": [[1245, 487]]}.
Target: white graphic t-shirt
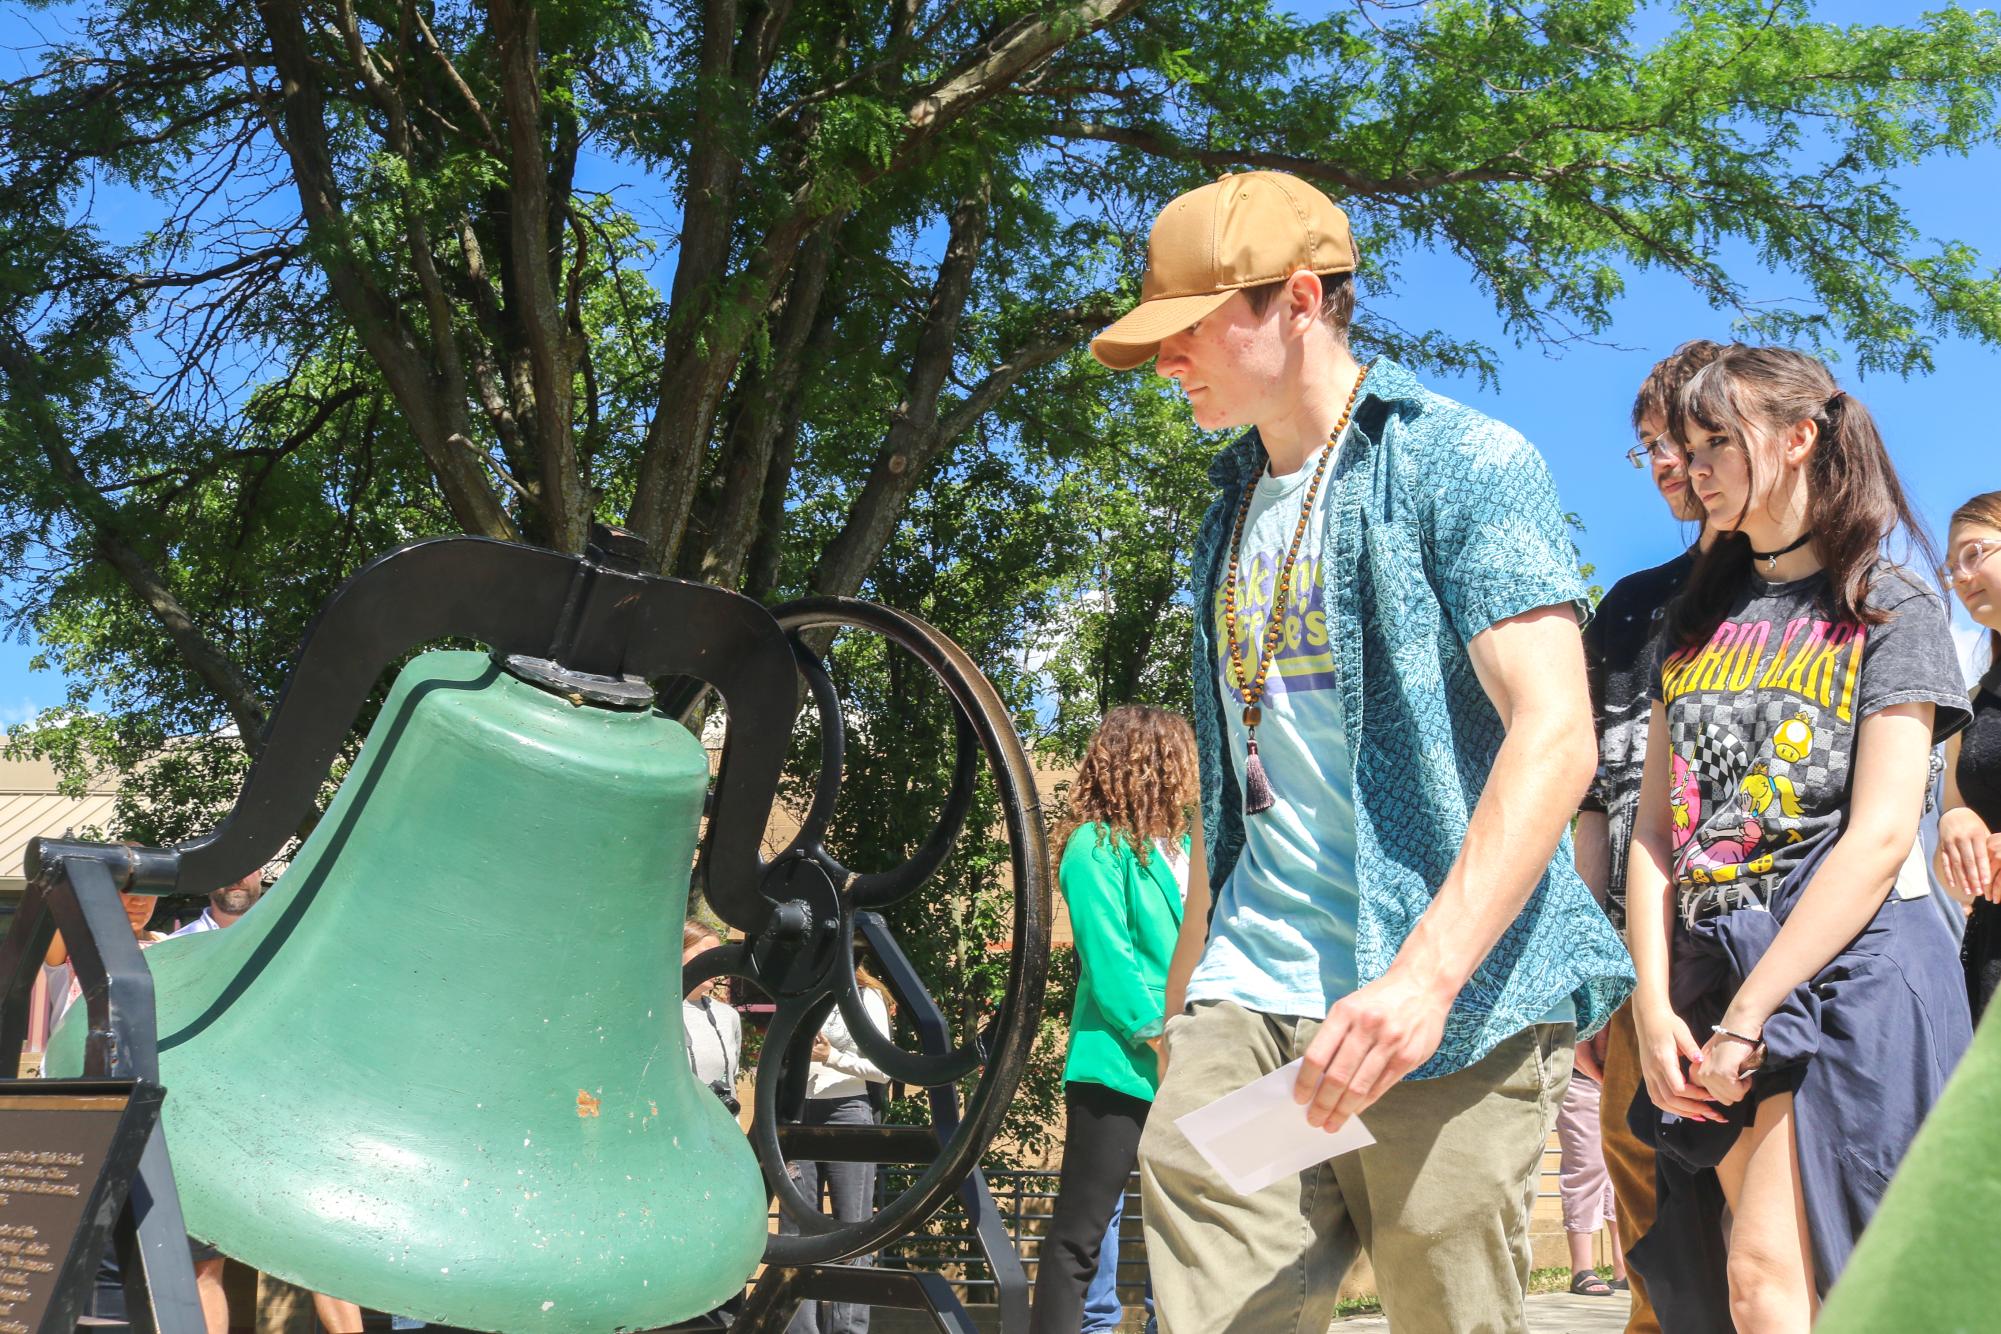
{"points": [[1283, 937]]}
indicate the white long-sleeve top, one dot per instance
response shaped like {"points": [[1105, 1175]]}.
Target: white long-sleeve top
{"points": [[713, 1032], [846, 1072]]}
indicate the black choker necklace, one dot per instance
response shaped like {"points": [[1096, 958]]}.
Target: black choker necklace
{"points": [[1771, 558]]}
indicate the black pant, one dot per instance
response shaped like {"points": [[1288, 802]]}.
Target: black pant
{"points": [[1100, 1150], [1981, 951]]}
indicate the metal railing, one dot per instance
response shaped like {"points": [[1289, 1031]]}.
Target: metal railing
{"points": [[1026, 1197]]}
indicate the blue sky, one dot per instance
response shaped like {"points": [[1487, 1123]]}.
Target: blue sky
{"points": [[1574, 403]]}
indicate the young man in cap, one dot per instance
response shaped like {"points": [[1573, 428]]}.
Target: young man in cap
{"points": [[1394, 730], [1618, 654]]}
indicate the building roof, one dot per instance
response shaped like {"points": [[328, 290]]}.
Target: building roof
{"points": [[30, 807]]}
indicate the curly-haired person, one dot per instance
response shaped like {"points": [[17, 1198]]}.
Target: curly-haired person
{"points": [[1124, 874]]}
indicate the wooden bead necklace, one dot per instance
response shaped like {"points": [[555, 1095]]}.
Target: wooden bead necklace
{"points": [[1257, 787]]}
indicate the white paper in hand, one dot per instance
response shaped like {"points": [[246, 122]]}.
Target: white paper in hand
{"points": [[1258, 1134]]}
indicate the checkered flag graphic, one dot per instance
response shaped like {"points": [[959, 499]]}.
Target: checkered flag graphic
{"points": [[1720, 757]]}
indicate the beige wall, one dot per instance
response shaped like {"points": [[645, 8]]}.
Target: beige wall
{"points": [[30, 807]]}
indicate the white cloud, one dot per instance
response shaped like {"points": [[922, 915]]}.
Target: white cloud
{"points": [[21, 710]]}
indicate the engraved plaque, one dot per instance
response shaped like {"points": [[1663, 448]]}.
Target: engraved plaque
{"points": [[68, 1151]]}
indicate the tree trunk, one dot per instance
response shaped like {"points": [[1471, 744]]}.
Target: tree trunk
{"points": [[767, 553], [436, 415], [770, 403], [697, 357], [547, 395], [912, 440]]}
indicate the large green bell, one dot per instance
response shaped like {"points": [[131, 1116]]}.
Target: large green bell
{"points": [[439, 1070]]}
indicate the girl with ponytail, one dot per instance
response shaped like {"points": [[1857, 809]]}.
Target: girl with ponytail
{"points": [[1784, 981]]}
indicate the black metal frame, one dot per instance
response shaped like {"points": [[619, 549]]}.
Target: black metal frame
{"points": [[74, 888], [805, 963], [106, 1220], [782, 1286], [596, 615]]}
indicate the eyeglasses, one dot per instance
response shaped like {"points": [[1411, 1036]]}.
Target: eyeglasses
{"points": [[1972, 555], [1661, 449]]}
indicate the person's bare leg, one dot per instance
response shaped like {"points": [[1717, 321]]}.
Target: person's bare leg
{"points": [[336, 1316], [1580, 1251], [214, 1302], [1771, 1256]]}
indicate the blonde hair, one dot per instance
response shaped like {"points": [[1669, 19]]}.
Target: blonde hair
{"points": [[875, 984], [1139, 778]]}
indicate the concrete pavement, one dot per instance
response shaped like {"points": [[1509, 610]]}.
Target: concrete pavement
{"points": [[1549, 1313]]}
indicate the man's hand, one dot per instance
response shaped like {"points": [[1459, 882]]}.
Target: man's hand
{"points": [[1589, 1060], [1371, 1039], [1159, 1046], [822, 1049]]}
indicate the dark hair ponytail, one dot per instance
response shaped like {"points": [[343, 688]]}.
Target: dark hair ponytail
{"points": [[1854, 498]]}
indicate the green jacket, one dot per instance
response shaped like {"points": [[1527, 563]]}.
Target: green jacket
{"points": [[1125, 917]]}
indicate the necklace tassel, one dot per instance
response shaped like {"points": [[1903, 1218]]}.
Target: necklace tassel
{"points": [[1257, 788]]}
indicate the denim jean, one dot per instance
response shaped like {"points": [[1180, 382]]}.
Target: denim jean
{"points": [[850, 1189], [1102, 1310]]}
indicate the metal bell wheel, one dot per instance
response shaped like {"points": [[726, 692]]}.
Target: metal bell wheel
{"points": [[543, 811], [801, 928]]}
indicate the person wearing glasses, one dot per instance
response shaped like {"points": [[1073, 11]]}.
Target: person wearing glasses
{"points": [[1618, 652], [1968, 861], [1798, 1013]]}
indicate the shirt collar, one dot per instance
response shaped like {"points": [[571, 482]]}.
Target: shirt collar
{"points": [[1389, 383]]}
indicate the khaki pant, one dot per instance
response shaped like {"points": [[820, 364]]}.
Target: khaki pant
{"points": [[1441, 1200], [1629, 1162]]}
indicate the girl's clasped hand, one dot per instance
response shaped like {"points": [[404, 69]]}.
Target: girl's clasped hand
{"points": [[1969, 857]]}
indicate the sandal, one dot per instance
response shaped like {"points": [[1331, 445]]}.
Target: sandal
{"points": [[1586, 1283], [1621, 1285]]}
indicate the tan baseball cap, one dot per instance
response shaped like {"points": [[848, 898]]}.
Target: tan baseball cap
{"points": [[1237, 232]]}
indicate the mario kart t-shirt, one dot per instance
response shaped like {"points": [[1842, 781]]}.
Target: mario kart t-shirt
{"points": [[1762, 721]]}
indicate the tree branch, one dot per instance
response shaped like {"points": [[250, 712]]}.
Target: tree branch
{"points": [[489, 139], [409, 369], [1005, 57], [705, 340], [1159, 144], [536, 294], [912, 440], [91, 509]]}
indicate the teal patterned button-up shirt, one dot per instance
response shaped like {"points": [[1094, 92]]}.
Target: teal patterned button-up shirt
{"points": [[1443, 521]]}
